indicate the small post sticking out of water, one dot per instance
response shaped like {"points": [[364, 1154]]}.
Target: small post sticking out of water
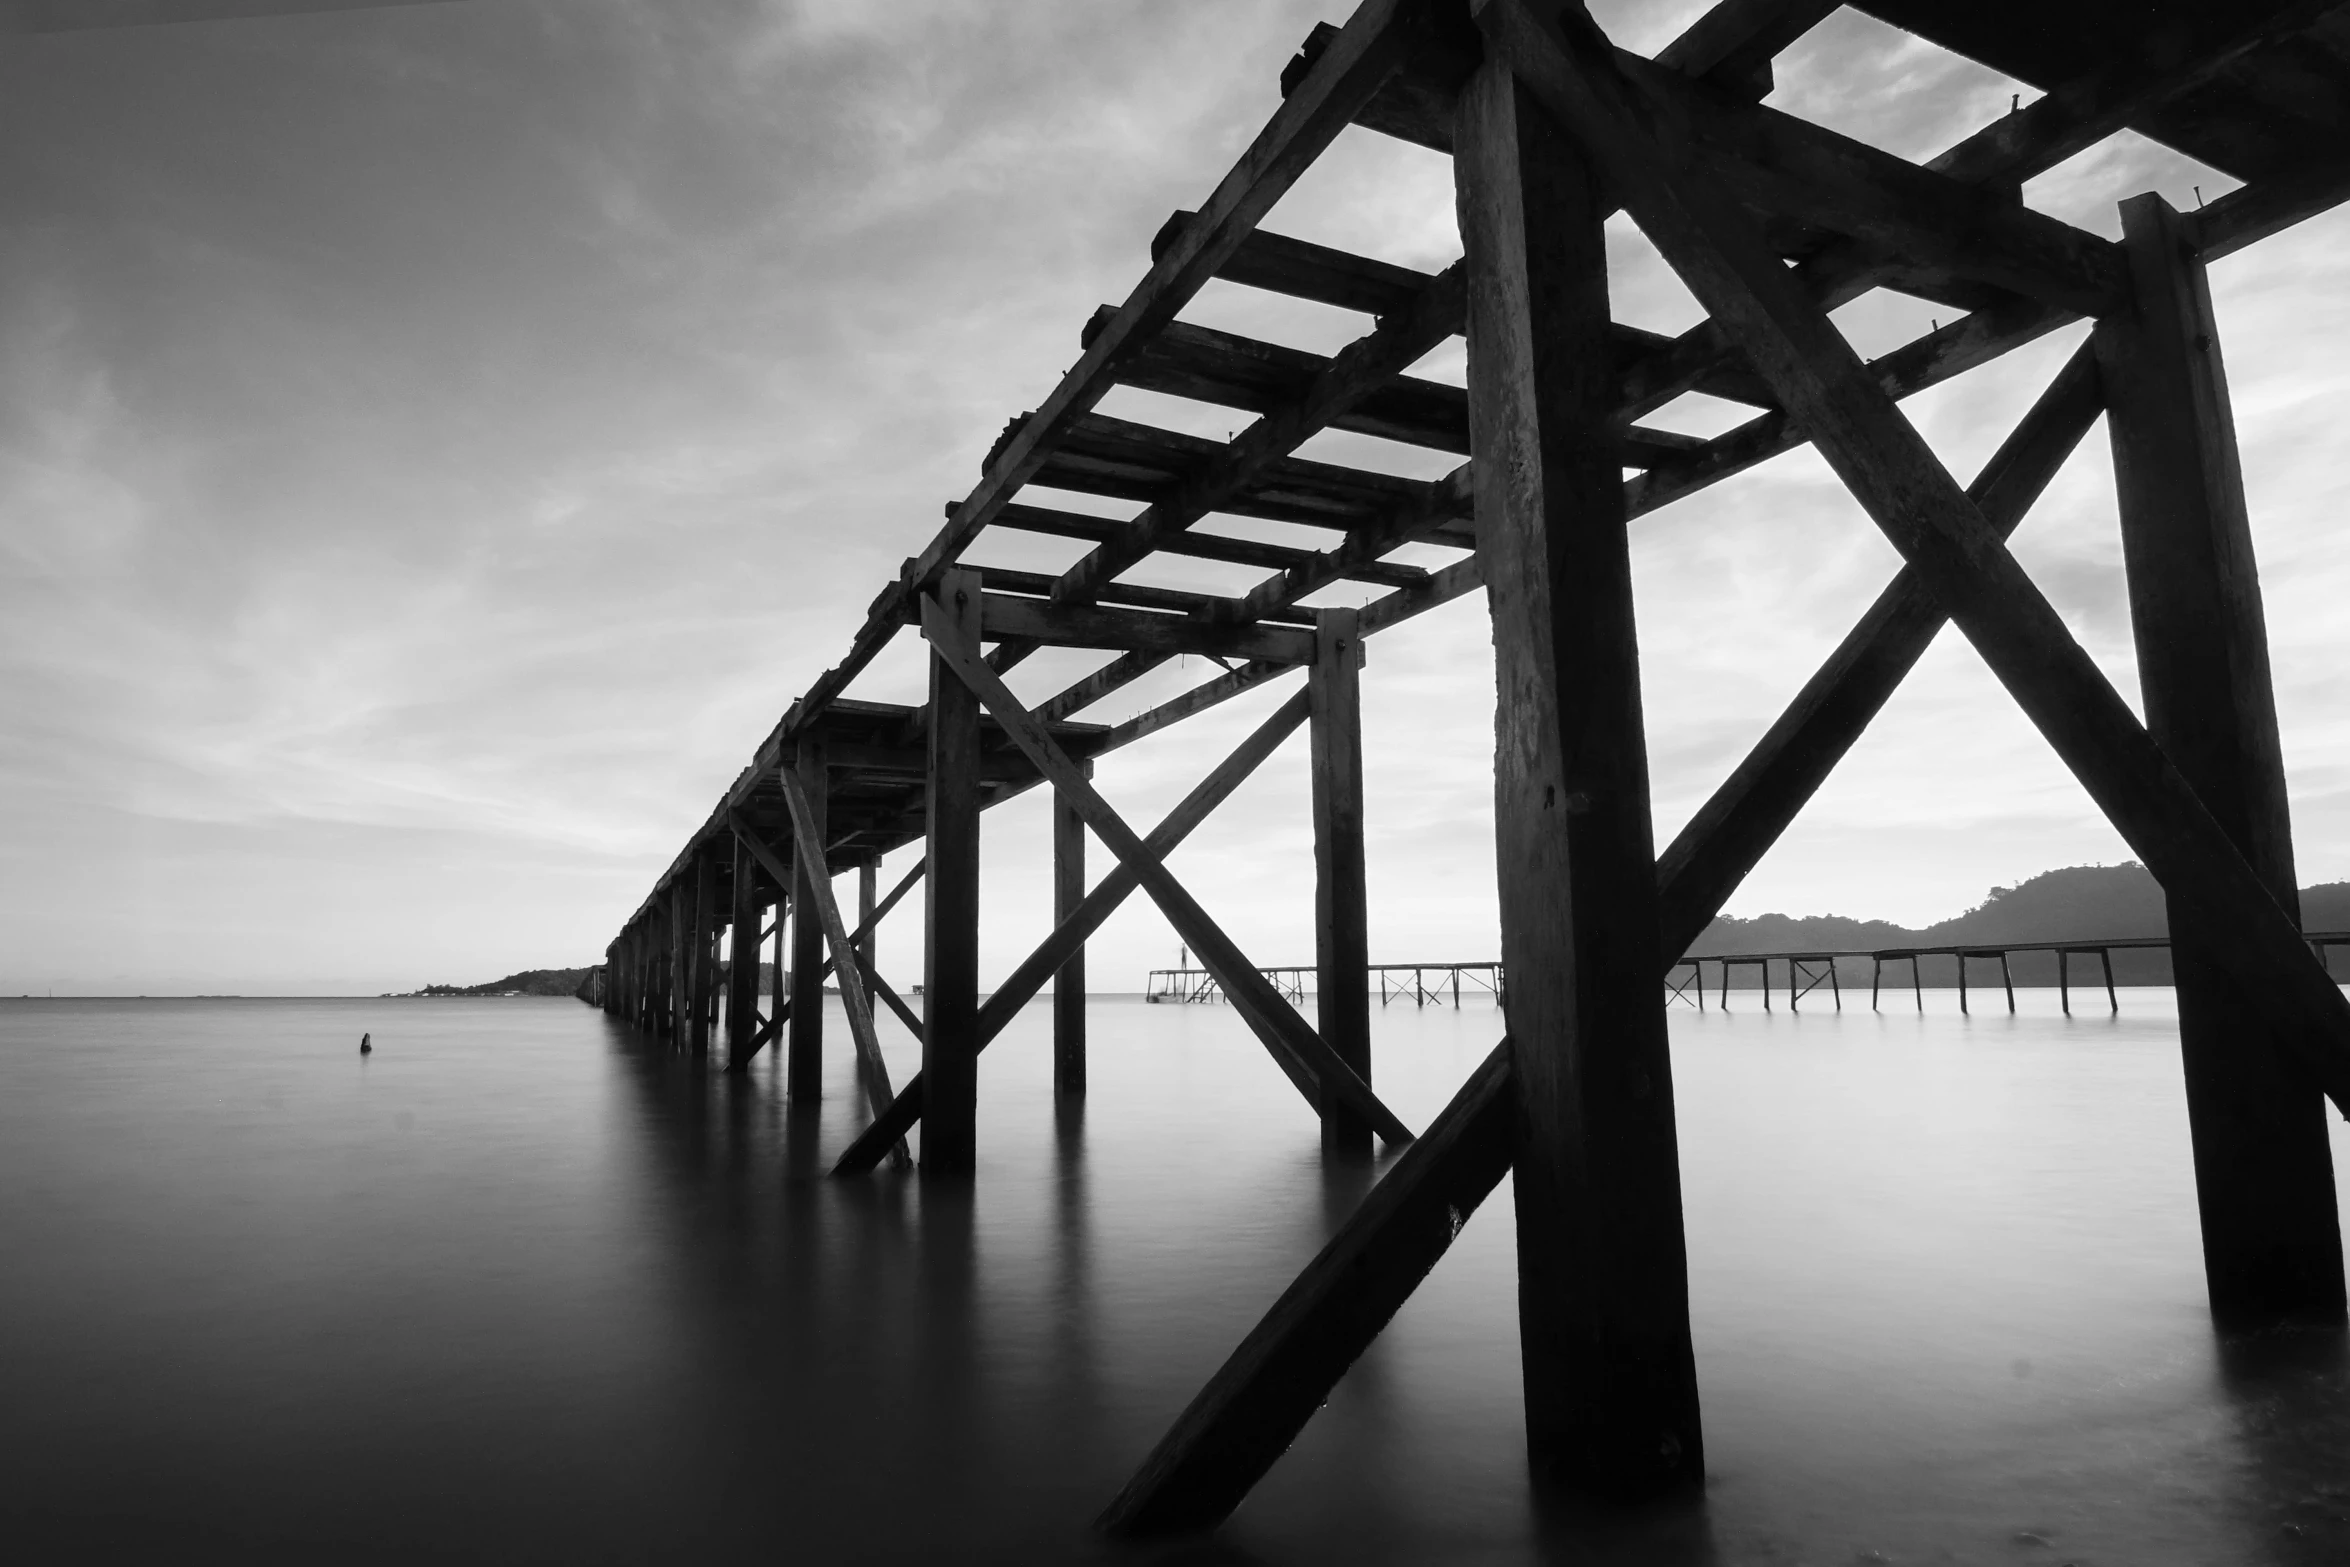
{"points": [[367, 1044]]}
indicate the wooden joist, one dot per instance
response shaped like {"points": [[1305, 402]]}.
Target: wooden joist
{"points": [[1196, 545], [1301, 269], [1335, 277], [1101, 455], [1136, 595], [1232, 371], [1090, 625]]}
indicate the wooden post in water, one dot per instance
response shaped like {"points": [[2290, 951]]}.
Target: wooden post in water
{"points": [[677, 993], [868, 898], [2272, 1238], [950, 945], [804, 1060], [1069, 979], [1603, 1288], [782, 981], [704, 950], [1342, 942], [742, 973], [642, 1003]]}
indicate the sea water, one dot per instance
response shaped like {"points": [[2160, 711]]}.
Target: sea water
{"points": [[523, 1287]]}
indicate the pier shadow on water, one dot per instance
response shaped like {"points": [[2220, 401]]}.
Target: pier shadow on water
{"points": [[523, 1287]]}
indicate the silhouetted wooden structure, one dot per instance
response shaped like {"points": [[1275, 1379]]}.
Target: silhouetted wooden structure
{"points": [[1808, 971], [1772, 222], [1199, 984]]}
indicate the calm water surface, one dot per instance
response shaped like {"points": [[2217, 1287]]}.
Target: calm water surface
{"points": [[519, 1287]]}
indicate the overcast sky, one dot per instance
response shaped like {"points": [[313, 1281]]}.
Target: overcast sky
{"points": [[436, 443]]}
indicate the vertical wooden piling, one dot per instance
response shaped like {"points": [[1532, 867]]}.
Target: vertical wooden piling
{"points": [[1069, 979], [1342, 942], [804, 1061], [704, 975], [1603, 1291], [868, 899], [678, 999], [950, 944], [2272, 1239], [742, 974]]}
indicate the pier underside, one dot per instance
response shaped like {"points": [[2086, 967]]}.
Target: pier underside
{"points": [[1771, 222]]}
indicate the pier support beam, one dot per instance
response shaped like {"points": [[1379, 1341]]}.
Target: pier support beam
{"points": [[1342, 942], [1069, 979], [950, 944], [742, 971], [1603, 1290], [868, 898], [804, 1058], [703, 951], [676, 993], [2272, 1248]]}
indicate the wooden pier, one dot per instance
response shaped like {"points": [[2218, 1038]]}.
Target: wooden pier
{"points": [[1808, 971], [1772, 222], [1199, 984]]}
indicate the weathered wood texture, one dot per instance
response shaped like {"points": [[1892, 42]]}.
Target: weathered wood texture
{"points": [[950, 966], [1255, 1405], [2264, 1179], [1342, 937], [1603, 1319], [804, 1043], [1069, 978], [868, 899]]}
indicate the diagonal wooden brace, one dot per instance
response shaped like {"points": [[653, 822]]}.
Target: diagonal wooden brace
{"points": [[1720, 255], [1292, 1043], [854, 1000], [1096, 907], [891, 999], [736, 1062], [1755, 804]]}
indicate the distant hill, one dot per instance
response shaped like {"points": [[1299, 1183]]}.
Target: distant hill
{"points": [[530, 982], [2081, 903]]}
